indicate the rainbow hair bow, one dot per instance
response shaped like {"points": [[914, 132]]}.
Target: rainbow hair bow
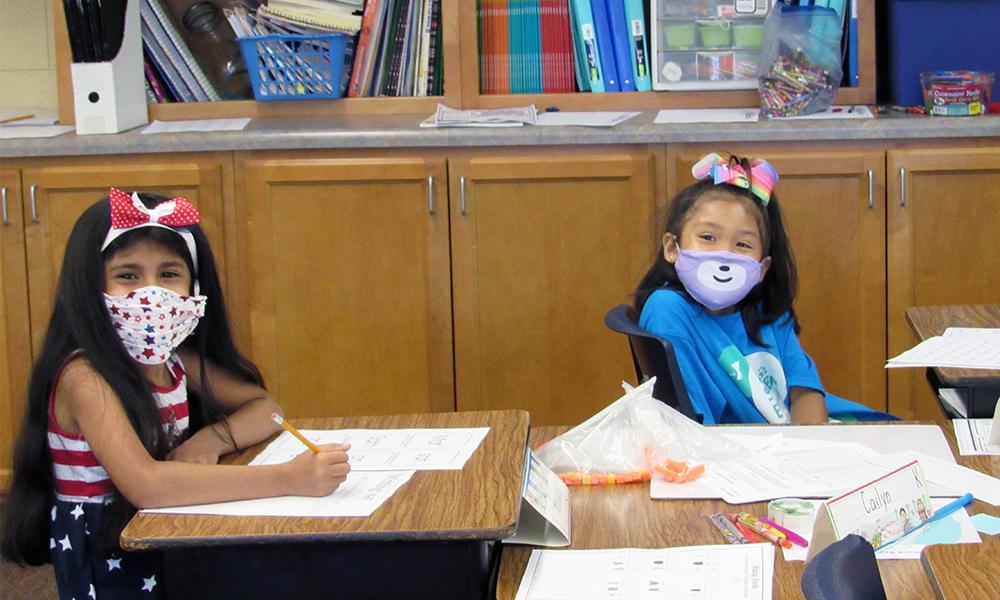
{"points": [[760, 181]]}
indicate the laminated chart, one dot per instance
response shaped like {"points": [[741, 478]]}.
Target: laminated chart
{"points": [[385, 449]]}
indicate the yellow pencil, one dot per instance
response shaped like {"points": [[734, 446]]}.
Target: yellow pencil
{"points": [[17, 118], [292, 430]]}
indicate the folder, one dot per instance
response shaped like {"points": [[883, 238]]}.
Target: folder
{"points": [[585, 37], [853, 78], [621, 39], [639, 52], [605, 45]]}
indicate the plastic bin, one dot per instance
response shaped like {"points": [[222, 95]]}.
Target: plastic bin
{"points": [[934, 35], [295, 67]]}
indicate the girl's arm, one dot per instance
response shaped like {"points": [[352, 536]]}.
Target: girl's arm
{"points": [[248, 409], [85, 403], [808, 406]]}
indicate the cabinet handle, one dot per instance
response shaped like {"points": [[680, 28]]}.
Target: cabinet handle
{"points": [[34, 206], [902, 187], [871, 189], [3, 205], [430, 194], [461, 194]]}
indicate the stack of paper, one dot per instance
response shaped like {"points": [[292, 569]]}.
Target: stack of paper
{"points": [[483, 117], [959, 347]]}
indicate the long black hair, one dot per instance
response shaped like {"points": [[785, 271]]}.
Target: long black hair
{"points": [[80, 322], [767, 301]]}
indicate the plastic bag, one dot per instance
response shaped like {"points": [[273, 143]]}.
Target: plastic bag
{"points": [[801, 63], [632, 436]]}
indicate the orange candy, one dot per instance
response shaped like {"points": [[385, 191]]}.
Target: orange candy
{"points": [[679, 471]]}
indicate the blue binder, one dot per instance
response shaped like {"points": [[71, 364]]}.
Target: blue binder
{"points": [[605, 45], [586, 38], [639, 46], [621, 38]]}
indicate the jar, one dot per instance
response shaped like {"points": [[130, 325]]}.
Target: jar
{"points": [[212, 42]]}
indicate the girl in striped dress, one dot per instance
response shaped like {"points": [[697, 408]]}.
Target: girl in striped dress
{"points": [[139, 323]]}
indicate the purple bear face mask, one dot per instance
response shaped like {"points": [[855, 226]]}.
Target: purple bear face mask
{"points": [[717, 280]]}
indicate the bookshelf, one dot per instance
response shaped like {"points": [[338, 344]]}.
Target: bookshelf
{"points": [[461, 73]]}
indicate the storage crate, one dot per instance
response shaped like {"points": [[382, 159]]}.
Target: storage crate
{"points": [[707, 44], [295, 67]]}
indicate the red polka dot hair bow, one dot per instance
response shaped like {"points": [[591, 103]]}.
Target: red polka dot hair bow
{"points": [[128, 213]]}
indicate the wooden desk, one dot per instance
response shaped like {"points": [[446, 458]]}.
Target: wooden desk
{"points": [[437, 536], [626, 517], [982, 385], [948, 568]]}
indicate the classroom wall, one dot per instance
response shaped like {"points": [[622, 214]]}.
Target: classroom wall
{"points": [[27, 55]]}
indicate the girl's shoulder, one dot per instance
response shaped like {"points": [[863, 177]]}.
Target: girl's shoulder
{"points": [[76, 383], [666, 310]]}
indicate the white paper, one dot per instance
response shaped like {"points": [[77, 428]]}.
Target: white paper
{"points": [[964, 348], [954, 398], [857, 111], [39, 116], [34, 131], [973, 437], [707, 115], [839, 467], [545, 520], [358, 496], [587, 119], [385, 449], [737, 572], [956, 528], [995, 434], [197, 125], [757, 478], [515, 116], [952, 476]]}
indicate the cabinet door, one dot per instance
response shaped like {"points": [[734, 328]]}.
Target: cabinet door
{"points": [[542, 247], [14, 333], [834, 213], [347, 283], [943, 211], [57, 193]]}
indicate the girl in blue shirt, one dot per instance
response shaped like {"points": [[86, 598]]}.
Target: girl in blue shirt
{"points": [[722, 292]]}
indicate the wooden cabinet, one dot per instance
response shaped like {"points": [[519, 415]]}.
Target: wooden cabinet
{"points": [[543, 244], [833, 206], [345, 281], [460, 45], [15, 361], [943, 207]]}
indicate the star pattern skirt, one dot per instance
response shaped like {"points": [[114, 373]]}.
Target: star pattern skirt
{"points": [[83, 570]]}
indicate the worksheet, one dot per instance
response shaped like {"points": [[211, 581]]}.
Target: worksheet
{"points": [[359, 496], [738, 572], [959, 347], [973, 437], [385, 449]]}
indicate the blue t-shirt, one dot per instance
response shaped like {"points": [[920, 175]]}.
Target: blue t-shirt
{"points": [[702, 343]]}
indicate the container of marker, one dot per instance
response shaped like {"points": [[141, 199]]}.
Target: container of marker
{"points": [[956, 93], [793, 514]]}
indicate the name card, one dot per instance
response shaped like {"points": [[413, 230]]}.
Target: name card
{"points": [[544, 518], [880, 511]]}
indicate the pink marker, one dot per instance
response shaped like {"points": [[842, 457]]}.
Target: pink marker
{"points": [[793, 537]]}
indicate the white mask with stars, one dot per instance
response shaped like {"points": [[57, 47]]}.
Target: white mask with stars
{"points": [[152, 321]]}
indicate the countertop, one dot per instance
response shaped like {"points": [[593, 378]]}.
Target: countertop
{"points": [[403, 131]]}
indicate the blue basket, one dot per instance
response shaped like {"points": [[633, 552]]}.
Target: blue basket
{"points": [[295, 67]]}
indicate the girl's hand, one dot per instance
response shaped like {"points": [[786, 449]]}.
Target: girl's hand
{"points": [[312, 474]]}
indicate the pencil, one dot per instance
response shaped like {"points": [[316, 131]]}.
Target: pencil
{"points": [[292, 430], [17, 118]]}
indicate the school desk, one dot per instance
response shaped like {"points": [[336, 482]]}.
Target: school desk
{"points": [[947, 567], [437, 536], [626, 517], [982, 386]]}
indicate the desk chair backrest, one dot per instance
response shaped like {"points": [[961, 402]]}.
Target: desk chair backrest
{"points": [[652, 356], [845, 570]]}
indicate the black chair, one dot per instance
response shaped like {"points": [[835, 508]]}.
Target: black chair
{"points": [[652, 356], [844, 570]]}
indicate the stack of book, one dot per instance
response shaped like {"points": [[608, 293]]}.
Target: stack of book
{"points": [[399, 50], [553, 46], [172, 73]]}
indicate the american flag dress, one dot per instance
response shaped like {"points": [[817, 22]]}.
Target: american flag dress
{"points": [[82, 493]]}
